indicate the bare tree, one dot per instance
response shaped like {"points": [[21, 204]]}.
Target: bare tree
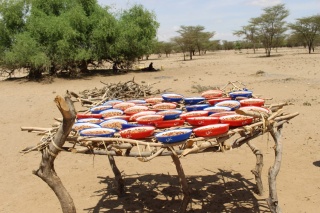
{"points": [[250, 34]]}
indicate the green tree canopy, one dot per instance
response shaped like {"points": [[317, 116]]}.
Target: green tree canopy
{"points": [[270, 25], [69, 34], [308, 28], [136, 31], [193, 38], [250, 34]]}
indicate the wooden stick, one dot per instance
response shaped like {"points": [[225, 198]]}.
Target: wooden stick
{"points": [[35, 129]]}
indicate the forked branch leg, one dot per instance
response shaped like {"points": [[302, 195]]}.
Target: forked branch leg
{"points": [[117, 174], [259, 165], [183, 182], [272, 200], [46, 169]]}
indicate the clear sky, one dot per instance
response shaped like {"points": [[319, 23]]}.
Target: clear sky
{"points": [[220, 16]]}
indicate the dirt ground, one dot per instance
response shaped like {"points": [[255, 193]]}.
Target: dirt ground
{"points": [[220, 182]]}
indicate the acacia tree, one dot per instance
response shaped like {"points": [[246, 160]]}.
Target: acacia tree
{"points": [[193, 38], [308, 28], [250, 34], [270, 25], [181, 45], [167, 48]]}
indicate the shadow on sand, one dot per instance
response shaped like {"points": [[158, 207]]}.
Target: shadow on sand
{"points": [[223, 191]]}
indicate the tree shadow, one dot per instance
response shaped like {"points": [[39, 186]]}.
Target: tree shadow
{"points": [[264, 56], [223, 191]]}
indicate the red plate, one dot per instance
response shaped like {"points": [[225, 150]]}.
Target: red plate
{"points": [[236, 120], [220, 114], [139, 114], [149, 119], [202, 121], [81, 116], [196, 113], [217, 100], [211, 130], [123, 105], [209, 94], [252, 102], [168, 123], [137, 132], [135, 109]]}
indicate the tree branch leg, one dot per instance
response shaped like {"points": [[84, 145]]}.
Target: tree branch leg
{"points": [[46, 169], [258, 169], [117, 174], [183, 182], [272, 200]]}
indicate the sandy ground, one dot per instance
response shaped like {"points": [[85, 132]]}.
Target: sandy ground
{"points": [[220, 182]]}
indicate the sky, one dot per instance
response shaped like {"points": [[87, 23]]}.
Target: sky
{"points": [[220, 16]]}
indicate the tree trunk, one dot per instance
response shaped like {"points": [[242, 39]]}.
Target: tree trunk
{"points": [[35, 73], [83, 66], [268, 52], [46, 170], [190, 55]]}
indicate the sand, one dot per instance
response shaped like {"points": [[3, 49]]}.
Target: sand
{"points": [[220, 182]]}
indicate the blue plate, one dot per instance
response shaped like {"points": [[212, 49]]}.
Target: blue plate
{"points": [[216, 109], [241, 93], [111, 113], [193, 100], [81, 126], [170, 114], [232, 104], [90, 120], [172, 97], [170, 137], [196, 107], [137, 101], [129, 125], [112, 102], [98, 109], [98, 132]]}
